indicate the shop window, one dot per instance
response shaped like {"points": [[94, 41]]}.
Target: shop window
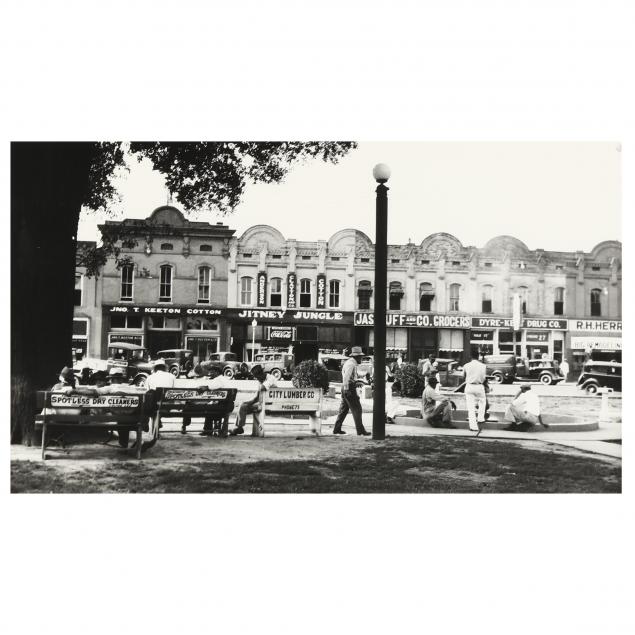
{"points": [[201, 324], [426, 295], [305, 293], [164, 322], [167, 246], [523, 293], [487, 293], [455, 290], [246, 286], [275, 292], [80, 327], [364, 294], [334, 294], [204, 277], [206, 248], [123, 321], [596, 302], [165, 283], [79, 280], [307, 333], [395, 294], [558, 301], [127, 280]]}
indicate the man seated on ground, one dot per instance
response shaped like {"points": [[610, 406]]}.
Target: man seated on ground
{"points": [[524, 410], [436, 409], [265, 382]]}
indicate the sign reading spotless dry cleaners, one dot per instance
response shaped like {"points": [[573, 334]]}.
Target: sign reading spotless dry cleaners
{"points": [[422, 320]]}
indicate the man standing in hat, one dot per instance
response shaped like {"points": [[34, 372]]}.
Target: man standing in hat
{"points": [[350, 398], [475, 375]]}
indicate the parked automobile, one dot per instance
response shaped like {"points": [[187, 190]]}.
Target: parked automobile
{"points": [[366, 366], [280, 365], [546, 371], [227, 363], [450, 372], [178, 360], [333, 365], [500, 368], [132, 358], [596, 375]]}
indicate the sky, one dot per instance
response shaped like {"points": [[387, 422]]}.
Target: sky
{"points": [[552, 196]]}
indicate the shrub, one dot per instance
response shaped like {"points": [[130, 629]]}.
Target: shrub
{"points": [[311, 374], [411, 380]]}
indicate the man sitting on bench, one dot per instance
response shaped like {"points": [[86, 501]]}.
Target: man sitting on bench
{"points": [[265, 382]]}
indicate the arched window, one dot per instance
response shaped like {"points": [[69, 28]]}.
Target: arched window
{"points": [[334, 294], [364, 294], [206, 248], [275, 292], [487, 294], [596, 302], [455, 291], [127, 280], [204, 280], [523, 293], [305, 293], [558, 301], [395, 293], [165, 283], [426, 295], [246, 286], [167, 246]]}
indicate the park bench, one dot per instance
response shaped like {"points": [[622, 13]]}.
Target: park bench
{"points": [[101, 412], [289, 402], [215, 405]]}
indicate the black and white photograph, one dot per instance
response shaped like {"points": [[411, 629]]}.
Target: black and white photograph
{"points": [[316, 317], [327, 334]]}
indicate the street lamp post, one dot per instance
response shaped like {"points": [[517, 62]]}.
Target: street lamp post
{"points": [[381, 173], [254, 324]]}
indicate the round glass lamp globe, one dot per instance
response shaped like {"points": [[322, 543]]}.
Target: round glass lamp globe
{"points": [[381, 173]]}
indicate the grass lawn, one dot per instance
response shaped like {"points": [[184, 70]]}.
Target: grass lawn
{"points": [[400, 464]]}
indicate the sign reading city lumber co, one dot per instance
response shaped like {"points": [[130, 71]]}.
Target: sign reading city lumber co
{"points": [[423, 320], [261, 282], [291, 284], [321, 291], [293, 398], [596, 325], [527, 323]]}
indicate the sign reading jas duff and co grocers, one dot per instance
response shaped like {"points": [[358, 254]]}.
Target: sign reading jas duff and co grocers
{"points": [[422, 320], [291, 290], [321, 291], [261, 289]]}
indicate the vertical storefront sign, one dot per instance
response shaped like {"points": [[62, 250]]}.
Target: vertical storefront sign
{"points": [[321, 291], [262, 289], [291, 291]]}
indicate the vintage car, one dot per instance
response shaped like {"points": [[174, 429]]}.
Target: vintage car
{"points": [[334, 363], [366, 366], [596, 375], [450, 372], [227, 364], [546, 371], [132, 358], [178, 360], [280, 365], [500, 369]]}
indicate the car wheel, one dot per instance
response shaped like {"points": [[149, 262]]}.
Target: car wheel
{"points": [[175, 370], [228, 372], [497, 378], [140, 381], [276, 373], [591, 389], [546, 379]]}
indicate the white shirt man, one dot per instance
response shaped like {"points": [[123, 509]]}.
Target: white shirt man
{"points": [[160, 378], [475, 374], [564, 368], [524, 409]]}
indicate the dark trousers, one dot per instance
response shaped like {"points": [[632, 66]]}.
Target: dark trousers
{"points": [[350, 401]]}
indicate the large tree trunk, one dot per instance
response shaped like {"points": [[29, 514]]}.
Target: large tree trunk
{"points": [[48, 186]]}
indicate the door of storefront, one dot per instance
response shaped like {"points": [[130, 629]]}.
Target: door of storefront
{"points": [[162, 340], [202, 347]]}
